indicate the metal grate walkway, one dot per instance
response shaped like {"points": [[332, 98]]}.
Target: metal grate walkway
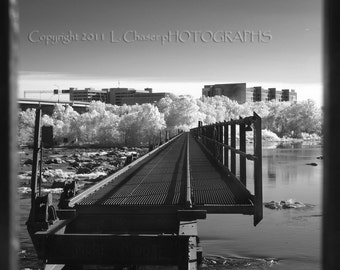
{"points": [[162, 180], [210, 185]]}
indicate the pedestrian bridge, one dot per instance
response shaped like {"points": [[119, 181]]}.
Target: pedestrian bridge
{"points": [[146, 213]]}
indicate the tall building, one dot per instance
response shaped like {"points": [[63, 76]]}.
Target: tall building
{"points": [[120, 96], [87, 95], [240, 93], [235, 91], [115, 96], [287, 95]]}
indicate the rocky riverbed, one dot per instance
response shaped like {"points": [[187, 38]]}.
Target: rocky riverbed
{"points": [[85, 166]]}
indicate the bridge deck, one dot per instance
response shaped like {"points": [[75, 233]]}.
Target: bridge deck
{"points": [[161, 181]]}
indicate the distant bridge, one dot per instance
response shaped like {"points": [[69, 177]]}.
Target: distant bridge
{"points": [[48, 105]]}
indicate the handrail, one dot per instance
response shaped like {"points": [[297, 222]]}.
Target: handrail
{"points": [[237, 151], [220, 141]]}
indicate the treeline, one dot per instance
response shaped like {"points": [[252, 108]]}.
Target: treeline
{"points": [[108, 124]]}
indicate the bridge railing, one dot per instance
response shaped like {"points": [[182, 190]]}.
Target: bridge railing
{"points": [[221, 141]]}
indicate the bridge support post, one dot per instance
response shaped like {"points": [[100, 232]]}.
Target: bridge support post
{"points": [[243, 163], [220, 140], [189, 228], [233, 154], [226, 142], [258, 215]]}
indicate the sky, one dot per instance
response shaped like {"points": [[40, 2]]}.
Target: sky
{"points": [[170, 46]]}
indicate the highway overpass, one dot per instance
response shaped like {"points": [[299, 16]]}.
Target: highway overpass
{"points": [[48, 105]]}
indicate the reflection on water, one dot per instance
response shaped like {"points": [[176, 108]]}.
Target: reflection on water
{"points": [[289, 236]]}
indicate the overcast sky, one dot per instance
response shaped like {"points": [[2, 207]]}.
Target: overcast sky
{"points": [[273, 43]]}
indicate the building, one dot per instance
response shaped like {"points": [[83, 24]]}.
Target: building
{"points": [[87, 95], [115, 96], [235, 91], [240, 93], [120, 96], [287, 95]]}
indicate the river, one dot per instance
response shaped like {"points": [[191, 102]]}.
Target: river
{"points": [[284, 239]]}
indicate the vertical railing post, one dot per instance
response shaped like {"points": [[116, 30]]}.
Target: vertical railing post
{"points": [[36, 149], [205, 135], [206, 131], [258, 170], [211, 137], [221, 141], [243, 169], [217, 138], [233, 144], [226, 142]]}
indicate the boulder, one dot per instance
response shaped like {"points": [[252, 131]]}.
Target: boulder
{"points": [[83, 170], [290, 203], [312, 164], [28, 162], [54, 161], [58, 183]]}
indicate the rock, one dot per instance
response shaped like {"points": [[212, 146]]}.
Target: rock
{"points": [[58, 173], [75, 164], [83, 170], [82, 159], [112, 153], [107, 168], [312, 164], [28, 162], [58, 160], [290, 203], [272, 205], [58, 183], [54, 161]]}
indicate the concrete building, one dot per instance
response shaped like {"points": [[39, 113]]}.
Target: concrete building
{"points": [[287, 95], [88, 95], [115, 96], [235, 91], [120, 96], [240, 93]]}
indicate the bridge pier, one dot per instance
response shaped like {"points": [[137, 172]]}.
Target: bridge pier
{"points": [[123, 249]]}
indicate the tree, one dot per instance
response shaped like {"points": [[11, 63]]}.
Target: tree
{"points": [[141, 125], [183, 113]]}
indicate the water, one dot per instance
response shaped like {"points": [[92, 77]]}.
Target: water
{"points": [[285, 239]]}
